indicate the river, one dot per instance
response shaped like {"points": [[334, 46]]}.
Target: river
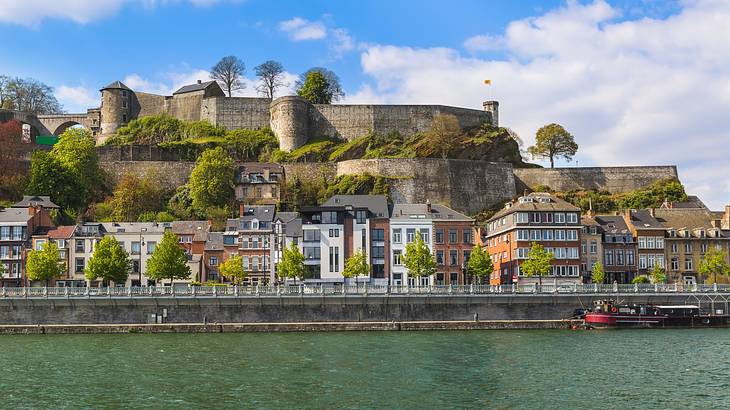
{"points": [[471, 369]]}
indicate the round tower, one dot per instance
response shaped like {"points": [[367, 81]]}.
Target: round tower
{"points": [[290, 121], [115, 107]]}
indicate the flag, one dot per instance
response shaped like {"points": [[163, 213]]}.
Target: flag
{"points": [[488, 82]]}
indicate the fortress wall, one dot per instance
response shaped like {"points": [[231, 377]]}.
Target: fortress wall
{"points": [[347, 122], [175, 173], [236, 112], [149, 104], [186, 106], [612, 179], [309, 171], [466, 186]]}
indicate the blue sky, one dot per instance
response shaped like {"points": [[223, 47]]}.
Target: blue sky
{"points": [[637, 82]]}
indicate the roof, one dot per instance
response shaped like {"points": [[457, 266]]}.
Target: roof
{"points": [[286, 216], [14, 215], [61, 232], [642, 219], [31, 200], [200, 86], [134, 227], [420, 211], [214, 242], [536, 201], [259, 212], [294, 227], [613, 224], [376, 204], [678, 218], [199, 229], [692, 202], [116, 85]]}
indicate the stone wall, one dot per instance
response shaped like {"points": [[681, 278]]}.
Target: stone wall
{"points": [[175, 173], [612, 179], [303, 309], [466, 186], [237, 112], [309, 171]]}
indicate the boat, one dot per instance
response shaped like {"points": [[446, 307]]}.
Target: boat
{"points": [[607, 314]]}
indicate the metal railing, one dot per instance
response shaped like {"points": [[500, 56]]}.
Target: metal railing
{"points": [[304, 290]]}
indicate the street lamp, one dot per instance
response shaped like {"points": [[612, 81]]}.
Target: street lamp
{"points": [[141, 243]]}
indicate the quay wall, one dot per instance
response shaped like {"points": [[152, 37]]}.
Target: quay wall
{"points": [[308, 308]]}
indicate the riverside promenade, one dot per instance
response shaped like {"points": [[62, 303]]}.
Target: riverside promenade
{"points": [[307, 307]]}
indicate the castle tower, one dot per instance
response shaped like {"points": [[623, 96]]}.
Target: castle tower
{"points": [[492, 107], [115, 108], [290, 121]]}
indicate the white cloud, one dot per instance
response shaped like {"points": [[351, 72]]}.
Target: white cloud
{"points": [[635, 92], [30, 13], [483, 42], [77, 99], [300, 29]]}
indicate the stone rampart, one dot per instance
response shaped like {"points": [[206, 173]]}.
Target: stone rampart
{"points": [[236, 112], [612, 179], [175, 173], [466, 186]]}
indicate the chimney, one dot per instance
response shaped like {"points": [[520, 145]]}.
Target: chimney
{"points": [[241, 209], [726, 218], [651, 212], [492, 107], [428, 206], [627, 216], [200, 82]]}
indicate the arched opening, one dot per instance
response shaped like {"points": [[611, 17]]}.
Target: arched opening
{"points": [[66, 125]]}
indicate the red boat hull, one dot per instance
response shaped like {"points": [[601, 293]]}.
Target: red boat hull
{"points": [[604, 320]]}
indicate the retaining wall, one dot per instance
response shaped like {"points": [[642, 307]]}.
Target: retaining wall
{"points": [[612, 179]]}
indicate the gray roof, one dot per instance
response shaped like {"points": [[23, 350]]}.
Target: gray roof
{"points": [[642, 219], [30, 200], [286, 216], [692, 202], [14, 215], [134, 227], [260, 212], [194, 87], [294, 227], [685, 218], [199, 229], [376, 204], [438, 212], [554, 204], [214, 241], [116, 85], [613, 224]]}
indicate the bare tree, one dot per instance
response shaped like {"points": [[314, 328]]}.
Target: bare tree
{"points": [[270, 74], [4, 90], [229, 71]]}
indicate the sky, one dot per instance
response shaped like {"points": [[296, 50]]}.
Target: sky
{"points": [[637, 82]]}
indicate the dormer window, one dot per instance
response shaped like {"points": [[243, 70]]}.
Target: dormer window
{"points": [[672, 233]]}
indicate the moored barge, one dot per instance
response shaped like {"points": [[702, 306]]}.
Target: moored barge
{"points": [[606, 314]]}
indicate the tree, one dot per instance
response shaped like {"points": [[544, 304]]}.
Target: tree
{"points": [[319, 86], [657, 274], [714, 263], [444, 133], [292, 263], [229, 71], [49, 177], [44, 265], [232, 269], [110, 262], [76, 150], [418, 259], [598, 275], [28, 95], [356, 265], [211, 182], [168, 261], [134, 197], [270, 75], [553, 141], [480, 264], [641, 279], [537, 263]]}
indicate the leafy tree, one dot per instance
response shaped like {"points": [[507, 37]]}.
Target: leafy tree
{"points": [[76, 150], [49, 177], [229, 71], [714, 263], [28, 95], [181, 205], [319, 86], [270, 75], [168, 261], [232, 269], [537, 263], [641, 279], [138, 199], [444, 134], [418, 259], [480, 264], [657, 274], [44, 265], [356, 265], [553, 141], [110, 262], [211, 182], [598, 275], [292, 263]]}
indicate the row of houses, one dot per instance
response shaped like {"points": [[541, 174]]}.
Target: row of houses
{"points": [[674, 237]]}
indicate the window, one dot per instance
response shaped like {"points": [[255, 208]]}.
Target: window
{"points": [[80, 247], [522, 253], [255, 263], [560, 218], [650, 242], [453, 257], [360, 216], [439, 236], [17, 252], [619, 253], [659, 243], [378, 235], [4, 252], [410, 235], [213, 261], [675, 263], [703, 247], [535, 217], [559, 235], [246, 266], [642, 261], [5, 233], [583, 246], [675, 248], [547, 234], [440, 257], [467, 255], [135, 248], [39, 244], [547, 218], [334, 233], [311, 235], [379, 271], [329, 217], [571, 218], [334, 258], [571, 234], [629, 257], [523, 235], [378, 252], [424, 236], [688, 264], [151, 247], [688, 247], [535, 234], [452, 236], [522, 217], [79, 268], [311, 253], [398, 255], [397, 235], [231, 240], [124, 117], [642, 242]]}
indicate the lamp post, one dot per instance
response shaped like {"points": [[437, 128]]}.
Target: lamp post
{"points": [[141, 243]]}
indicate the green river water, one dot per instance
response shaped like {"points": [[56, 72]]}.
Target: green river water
{"points": [[615, 369]]}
